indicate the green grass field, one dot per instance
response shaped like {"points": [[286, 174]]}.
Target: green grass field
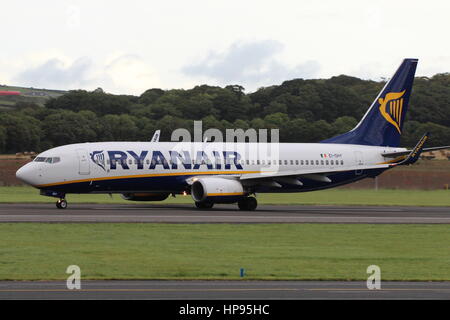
{"points": [[187, 251], [326, 197]]}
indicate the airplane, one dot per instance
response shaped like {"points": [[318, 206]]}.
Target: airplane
{"points": [[229, 172]]}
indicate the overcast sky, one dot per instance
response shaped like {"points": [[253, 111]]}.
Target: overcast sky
{"points": [[130, 46]]}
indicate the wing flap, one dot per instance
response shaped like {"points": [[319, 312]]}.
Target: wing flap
{"points": [[309, 173]]}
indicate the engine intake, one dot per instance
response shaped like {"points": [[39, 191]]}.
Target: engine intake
{"points": [[217, 190]]}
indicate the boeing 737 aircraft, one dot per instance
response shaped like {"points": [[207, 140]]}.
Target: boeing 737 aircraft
{"points": [[232, 172]]}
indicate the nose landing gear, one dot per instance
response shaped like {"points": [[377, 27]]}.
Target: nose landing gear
{"points": [[61, 204]]}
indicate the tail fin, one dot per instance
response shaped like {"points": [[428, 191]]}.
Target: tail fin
{"points": [[382, 124]]}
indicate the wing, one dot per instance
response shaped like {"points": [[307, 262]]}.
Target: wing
{"points": [[295, 176]]}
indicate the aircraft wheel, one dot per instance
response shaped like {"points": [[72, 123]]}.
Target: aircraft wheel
{"points": [[204, 205], [61, 204], [247, 204]]}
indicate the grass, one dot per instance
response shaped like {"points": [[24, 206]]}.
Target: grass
{"points": [[385, 197], [34, 251]]}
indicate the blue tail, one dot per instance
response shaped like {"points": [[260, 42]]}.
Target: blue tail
{"points": [[382, 124]]}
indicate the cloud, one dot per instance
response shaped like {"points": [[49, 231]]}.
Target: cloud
{"points": [[122, 74], [252, 64], [131, 73], [54, 73]]}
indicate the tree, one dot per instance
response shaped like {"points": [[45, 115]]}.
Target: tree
{"points": [[65, 127], [344, 124], [2, 139], [23, 132], [119, 127]]}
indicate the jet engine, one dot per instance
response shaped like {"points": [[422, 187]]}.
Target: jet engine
{"points": [[145, 196], [217, 190]]}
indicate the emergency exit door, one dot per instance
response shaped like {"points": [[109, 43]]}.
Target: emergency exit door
{"points": [[359, 161]]}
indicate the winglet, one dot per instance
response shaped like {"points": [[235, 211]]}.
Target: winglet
{"points": [[415, 153], [156, 135]]}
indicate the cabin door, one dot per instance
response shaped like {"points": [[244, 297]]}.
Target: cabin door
{"points": [[83, 162]]}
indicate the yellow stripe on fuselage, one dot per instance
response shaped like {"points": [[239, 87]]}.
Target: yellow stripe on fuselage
{"points": [[225, 194], [145, 176]]}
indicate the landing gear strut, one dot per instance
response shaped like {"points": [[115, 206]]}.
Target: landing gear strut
{"points": [[61, 204], [204, 204], [247, 204]]}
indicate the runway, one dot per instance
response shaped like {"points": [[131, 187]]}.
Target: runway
{"points": [[213, 290], [144, 213]]}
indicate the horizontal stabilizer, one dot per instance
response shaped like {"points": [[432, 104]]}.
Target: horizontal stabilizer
{"points": [[404, 153]]}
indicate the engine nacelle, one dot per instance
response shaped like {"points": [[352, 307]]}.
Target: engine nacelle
{"points": [[217, 190], [145, 196]]}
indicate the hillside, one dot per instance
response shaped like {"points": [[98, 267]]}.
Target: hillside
{"points": [[27, 96], [303, 110]]}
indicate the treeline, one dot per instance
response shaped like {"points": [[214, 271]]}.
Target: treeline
{"points": [[303, 110]]}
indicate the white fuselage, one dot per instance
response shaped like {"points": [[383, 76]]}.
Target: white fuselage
{"points": [[114, 167]]}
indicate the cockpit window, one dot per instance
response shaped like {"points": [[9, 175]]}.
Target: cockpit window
{"points": [[48, 159]]}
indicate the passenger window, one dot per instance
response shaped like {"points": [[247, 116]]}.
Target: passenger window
{"points": [[342, 162], [248, 162], [332, 162], [317, 162], [306, 162], [326, 162], [321, 162], [257, 162], [292, 162], [301, 162], [296, 162], [263, 162]]}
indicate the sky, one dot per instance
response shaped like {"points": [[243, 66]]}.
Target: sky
{"points": [[127, 47]]}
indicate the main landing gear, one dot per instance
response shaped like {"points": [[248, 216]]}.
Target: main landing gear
{"points": [[204, 204], [61, 204], [247, 204]]}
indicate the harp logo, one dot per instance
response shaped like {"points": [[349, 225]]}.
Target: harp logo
{"points": [[98, 158], [391, 108]]}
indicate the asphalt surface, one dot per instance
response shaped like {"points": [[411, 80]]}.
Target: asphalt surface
{"points": [[97, 213], [211, 290]]}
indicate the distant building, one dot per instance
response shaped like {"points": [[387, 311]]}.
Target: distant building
{"points": [[9, 93]]}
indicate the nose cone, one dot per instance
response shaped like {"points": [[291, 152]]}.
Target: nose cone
{"points": [[27, 174]]}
